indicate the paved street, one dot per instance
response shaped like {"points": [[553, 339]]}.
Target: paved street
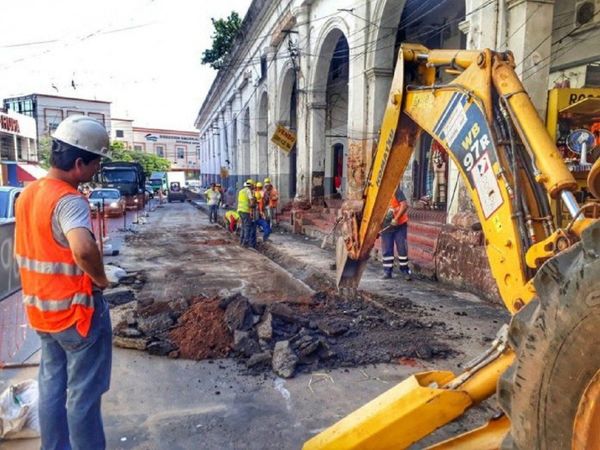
{"points": [[158, 402]]}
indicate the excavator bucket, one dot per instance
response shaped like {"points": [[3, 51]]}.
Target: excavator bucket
{"points": [[348, 270]]}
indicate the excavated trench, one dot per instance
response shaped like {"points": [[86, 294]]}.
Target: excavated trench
{"points": [[197, 295]]}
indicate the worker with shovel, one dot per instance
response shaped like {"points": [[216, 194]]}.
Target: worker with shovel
{"points": [[393, 236]]}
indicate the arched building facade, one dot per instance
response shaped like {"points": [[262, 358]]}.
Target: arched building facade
{"points": [[323, 69]]}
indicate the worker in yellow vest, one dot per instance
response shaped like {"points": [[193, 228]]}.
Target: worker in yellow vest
{"points": [[62, 277], [232, 219], [246, 205]]}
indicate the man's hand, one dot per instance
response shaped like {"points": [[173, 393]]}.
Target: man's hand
{"points": [[87, 255]]}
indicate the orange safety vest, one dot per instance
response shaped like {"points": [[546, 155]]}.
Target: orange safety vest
{"points": [[56, 292], [395, 206], [273, 198]]}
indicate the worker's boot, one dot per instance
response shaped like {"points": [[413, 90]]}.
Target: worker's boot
{"points": [[387, 274], [407, 274]]}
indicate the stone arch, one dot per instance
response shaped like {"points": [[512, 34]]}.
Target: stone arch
{"points": [[328, 109]]}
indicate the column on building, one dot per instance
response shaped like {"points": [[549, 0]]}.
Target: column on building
{"points": [[231, 144], [223, 166], [358, 144], [272, 150], [303, 179], [241, 146]]}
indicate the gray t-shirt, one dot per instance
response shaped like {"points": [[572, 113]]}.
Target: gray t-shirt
{"points": [[71, 211]]}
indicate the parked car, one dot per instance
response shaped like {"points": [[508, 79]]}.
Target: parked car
{"points": [[8, 197], [110, 200], [175, 192]]}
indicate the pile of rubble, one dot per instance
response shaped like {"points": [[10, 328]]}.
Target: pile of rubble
{"points": [[287, 337]]}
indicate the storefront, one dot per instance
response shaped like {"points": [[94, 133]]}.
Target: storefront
{"points": [[573, 120], [18, 149]]}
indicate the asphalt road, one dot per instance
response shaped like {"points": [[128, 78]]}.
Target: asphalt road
{"points": [[158, 403]]}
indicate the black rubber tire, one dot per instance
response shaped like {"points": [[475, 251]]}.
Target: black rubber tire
{"points": [[557, 342]]}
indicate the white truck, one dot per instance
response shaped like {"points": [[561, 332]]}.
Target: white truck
{"points": [[178, 177]]}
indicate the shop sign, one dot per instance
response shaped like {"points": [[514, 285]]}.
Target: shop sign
{"points": [[284, 138], [9, 124]]}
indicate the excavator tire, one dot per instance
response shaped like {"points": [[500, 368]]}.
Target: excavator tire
{"points": [[556, 338]]}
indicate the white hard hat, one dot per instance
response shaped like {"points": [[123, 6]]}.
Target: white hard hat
{"points": [[84, 133]]}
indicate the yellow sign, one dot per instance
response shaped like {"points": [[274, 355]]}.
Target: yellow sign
{"points": [[284, 138]]}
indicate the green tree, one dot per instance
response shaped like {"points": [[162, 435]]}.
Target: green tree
{"points": [[44, 149], [150, 163], [222, 40]]}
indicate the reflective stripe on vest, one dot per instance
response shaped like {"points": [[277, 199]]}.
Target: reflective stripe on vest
{"points": [[56, 268], [58, 305]]}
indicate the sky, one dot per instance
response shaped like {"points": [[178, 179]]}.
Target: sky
{"points": [[141, 55]]}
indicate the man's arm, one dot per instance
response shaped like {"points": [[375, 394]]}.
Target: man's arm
{"points": [[87, 255]]}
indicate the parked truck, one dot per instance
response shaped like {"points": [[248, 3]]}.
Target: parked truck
{"points": [[158, 180], [129, 178], [176, 177]]}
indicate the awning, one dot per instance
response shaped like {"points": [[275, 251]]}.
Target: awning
{"points": [[588, 106], [30, 172]]}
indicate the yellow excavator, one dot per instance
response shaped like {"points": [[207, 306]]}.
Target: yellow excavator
{"points": [[543, 367]]}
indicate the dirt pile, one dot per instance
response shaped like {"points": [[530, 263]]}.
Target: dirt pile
{"points": [[324, 331], [201, 332]]}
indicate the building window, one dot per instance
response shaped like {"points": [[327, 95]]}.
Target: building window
{"points": [[138, 148], [263, 67], [160, 150], [119, 133], [180, 152], [52, 117], [99, 117]]}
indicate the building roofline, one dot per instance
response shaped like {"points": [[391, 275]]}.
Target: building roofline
{"points": [[57, 96], [164, 130], [122, 120]]}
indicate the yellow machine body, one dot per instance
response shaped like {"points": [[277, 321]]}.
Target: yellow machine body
{"points": [[459, 115]]}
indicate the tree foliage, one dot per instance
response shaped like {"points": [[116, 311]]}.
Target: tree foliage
{"points": [[150, 163], [222, 40], [44, 149]]}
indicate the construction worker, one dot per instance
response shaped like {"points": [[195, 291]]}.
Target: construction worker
{"points": [[213, 199], [259, 219], [245, 208], [271, 200], [62, 278], [232, 218], [393, 234]]}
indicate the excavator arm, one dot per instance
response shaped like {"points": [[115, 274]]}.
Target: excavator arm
{"points": [[491, 130], [486, 122]]}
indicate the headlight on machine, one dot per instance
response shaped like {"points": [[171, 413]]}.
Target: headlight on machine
{"points": [[114, 205], [135, 200]]}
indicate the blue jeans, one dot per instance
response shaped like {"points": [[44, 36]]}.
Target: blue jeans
{"points": [[248, 237], [395, 236], [213, 213], [266, 228], [74, 373]]}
